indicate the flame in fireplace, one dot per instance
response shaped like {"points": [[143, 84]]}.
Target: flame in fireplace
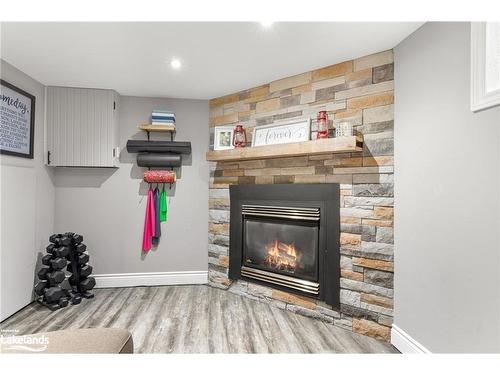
{"points": [[281, 256]]}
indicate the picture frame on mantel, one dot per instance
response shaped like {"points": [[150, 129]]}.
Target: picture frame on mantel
{"points": [[17, 127], [281, 133], [223, 138]]}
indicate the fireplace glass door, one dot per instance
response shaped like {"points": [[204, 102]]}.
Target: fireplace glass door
{"points": [[283, 245]]}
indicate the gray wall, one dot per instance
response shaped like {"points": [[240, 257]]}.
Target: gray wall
{"points": [[27, 206], [447, 190], [107, 205]]}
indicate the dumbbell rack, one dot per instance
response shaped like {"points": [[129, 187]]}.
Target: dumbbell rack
{"points": [[65, 250]]}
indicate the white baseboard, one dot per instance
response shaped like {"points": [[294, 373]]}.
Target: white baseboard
{"points": [[121, 280], [405, 343]]}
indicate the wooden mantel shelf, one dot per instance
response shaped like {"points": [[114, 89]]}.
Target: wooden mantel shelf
{"points": [[316, 147]]}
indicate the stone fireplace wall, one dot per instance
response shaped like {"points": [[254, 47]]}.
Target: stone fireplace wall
{"points": [[359, 91]]}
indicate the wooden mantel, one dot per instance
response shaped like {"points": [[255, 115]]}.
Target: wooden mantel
{"points": [[316, 147]]}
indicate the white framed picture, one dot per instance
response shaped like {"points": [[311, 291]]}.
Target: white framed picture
{"points": [[17, 110], [223, 138], [485, 65], [275, 134]]}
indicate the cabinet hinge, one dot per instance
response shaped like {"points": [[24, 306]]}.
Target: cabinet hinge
{"points": [[114, 105], [48, 157], [114, 152]]}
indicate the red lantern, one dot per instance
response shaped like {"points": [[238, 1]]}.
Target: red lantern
{"points": [[322, 121], [239, 136]]}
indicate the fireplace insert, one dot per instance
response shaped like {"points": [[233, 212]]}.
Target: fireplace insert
{"points": [[287, 237]]}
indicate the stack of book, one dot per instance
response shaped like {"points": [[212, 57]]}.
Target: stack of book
{"points": [[162, 118]]}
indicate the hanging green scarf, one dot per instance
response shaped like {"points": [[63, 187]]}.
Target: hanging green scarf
{"points": [[163, 206]]}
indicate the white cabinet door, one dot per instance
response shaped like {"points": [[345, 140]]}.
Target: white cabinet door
{"points": [[82, 127]]}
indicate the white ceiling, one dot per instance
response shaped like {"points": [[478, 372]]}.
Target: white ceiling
{"points": [[218, 58]]}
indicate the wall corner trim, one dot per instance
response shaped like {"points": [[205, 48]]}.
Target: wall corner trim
{"points": [[123, 280], [405, 343]]}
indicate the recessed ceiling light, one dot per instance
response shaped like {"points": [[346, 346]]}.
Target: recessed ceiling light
{"points": [[175, 63], [266, 24]]}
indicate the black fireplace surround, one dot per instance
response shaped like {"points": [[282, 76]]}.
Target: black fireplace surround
{"points": [[287, 236]]}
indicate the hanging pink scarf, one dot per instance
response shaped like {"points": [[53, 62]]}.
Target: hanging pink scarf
{"points": [[149, 222]]}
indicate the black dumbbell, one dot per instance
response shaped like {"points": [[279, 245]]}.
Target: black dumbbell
{"points": [[80, 248], [63, 302], [65, 241], [69, 234], [83, 258], [59, 239], [56, 277], [54, 238], [82, 271], [62, 241], [61, 251], [87, 284], [85, 271], [50, 248], [42, 273], [53, 294], [40, 287], [46, 259], [76, 300], [58, 263], [77, 238]]}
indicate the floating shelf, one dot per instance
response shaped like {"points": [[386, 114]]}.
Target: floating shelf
{"points": [[316, 147], [157, 128]]}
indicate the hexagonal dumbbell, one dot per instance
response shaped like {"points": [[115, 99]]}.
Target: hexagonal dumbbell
{"points": [[42, 273], [54, 238], [85, 271], [61, 251], [80, 248], [65, 241], [59, 239], [41, 286], [77, 238], [56, 277], [53, 294], [50, 248], [58, 263], [83, 258], [87, 284], [63, 302], [46, 259]]}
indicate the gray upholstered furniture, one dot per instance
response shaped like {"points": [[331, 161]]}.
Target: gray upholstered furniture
{"points": [[93, 340]]}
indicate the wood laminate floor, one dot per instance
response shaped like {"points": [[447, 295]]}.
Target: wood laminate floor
{"points": [[196, 319]]}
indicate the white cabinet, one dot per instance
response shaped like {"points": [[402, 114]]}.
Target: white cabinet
{"points": [[82, 127]]}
